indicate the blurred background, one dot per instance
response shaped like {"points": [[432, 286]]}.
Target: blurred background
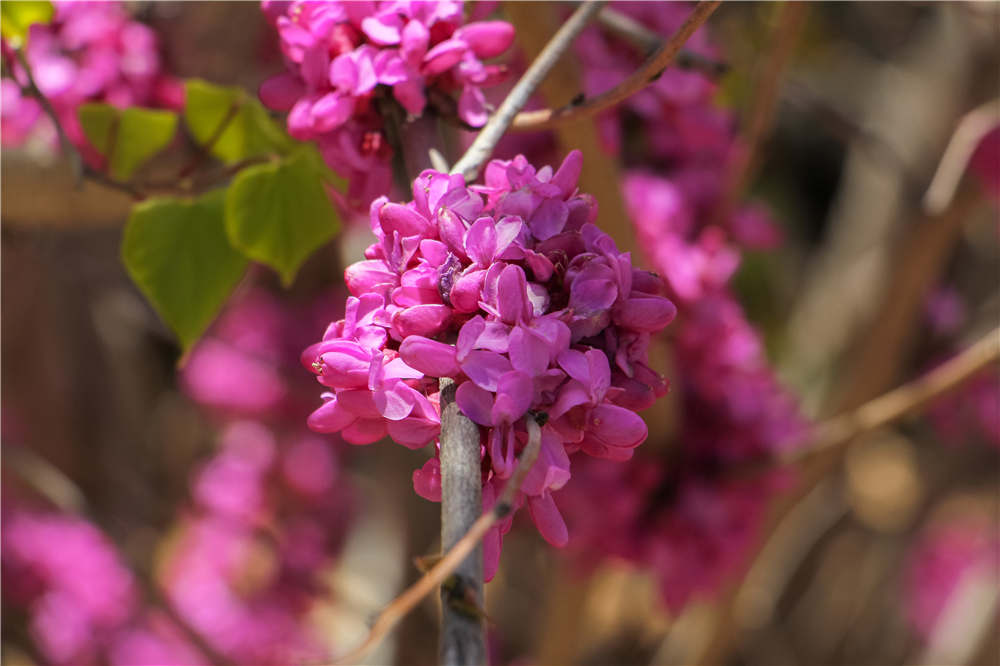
{"points": [[190, 502]]}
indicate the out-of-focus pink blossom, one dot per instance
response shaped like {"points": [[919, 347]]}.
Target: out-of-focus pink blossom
{"points": [[508, 288], [985, 162], [83, 604], [90, 52], [946, 556]]}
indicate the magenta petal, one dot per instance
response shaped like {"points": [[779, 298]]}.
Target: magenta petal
{"points": [[427, 320], [572, 394], [466, 291], [330, 417], [281, 92], [359, 402], [434, 359], [494, 336], [405, 220], [575, 364], [427, 480], [344, 73], [548, 520], [364, 431], [569, 172], [413, 433], [647, 314], [548, 219], [551, 469], [512, 297], [472, 106], [475, 403], [468, 335], [383, 30], [515, 391], [415, 40], [396, 403], [485, 368], [481, 241], [616, 426], [362, 277], [410, 94], [331, 110], [487, 39], [443, 56], [528, 353]]}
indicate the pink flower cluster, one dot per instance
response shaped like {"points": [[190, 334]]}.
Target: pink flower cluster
{"points": [[344, 57], [90, 52], [689, 517], [688, 514], [971, 413], [268, 515], [946, 557], [270, 508], [83, 605], [510, 289]]}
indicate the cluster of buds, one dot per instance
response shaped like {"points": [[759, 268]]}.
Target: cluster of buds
{"points": [[509, 289]]}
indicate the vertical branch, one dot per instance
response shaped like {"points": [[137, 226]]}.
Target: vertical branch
{"points": [[482, 147], [463, 636]]}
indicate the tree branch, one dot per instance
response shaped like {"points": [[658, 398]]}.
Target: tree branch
{"points": [[887, 408], [971, 129], [648, 41], [905, 399], [80, 168], [463, 637], [482, 147], [440, 572], [649, 72], [783, 36]]}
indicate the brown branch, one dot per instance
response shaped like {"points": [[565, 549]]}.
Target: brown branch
{"points": [[463, 636], [649, 72], [648, 41], [887, 408], [205, 150], [498, 123], [905, 399], [971, 129], [451, 560], [782, 41], [80, 167]]}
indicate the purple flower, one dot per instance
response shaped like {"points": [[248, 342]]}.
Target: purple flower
{"points": [[509, 289], [339, 54], [90, 52]]}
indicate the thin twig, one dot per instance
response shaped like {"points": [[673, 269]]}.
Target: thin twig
{"points": [[648, 41], [482, 147], [649, 72], [971, 129], [414, 594], [887, 408], [80, 167], [905, 399], [205, 150]]}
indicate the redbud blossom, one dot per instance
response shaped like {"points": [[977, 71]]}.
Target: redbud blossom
{"points": [[509, 289]]}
